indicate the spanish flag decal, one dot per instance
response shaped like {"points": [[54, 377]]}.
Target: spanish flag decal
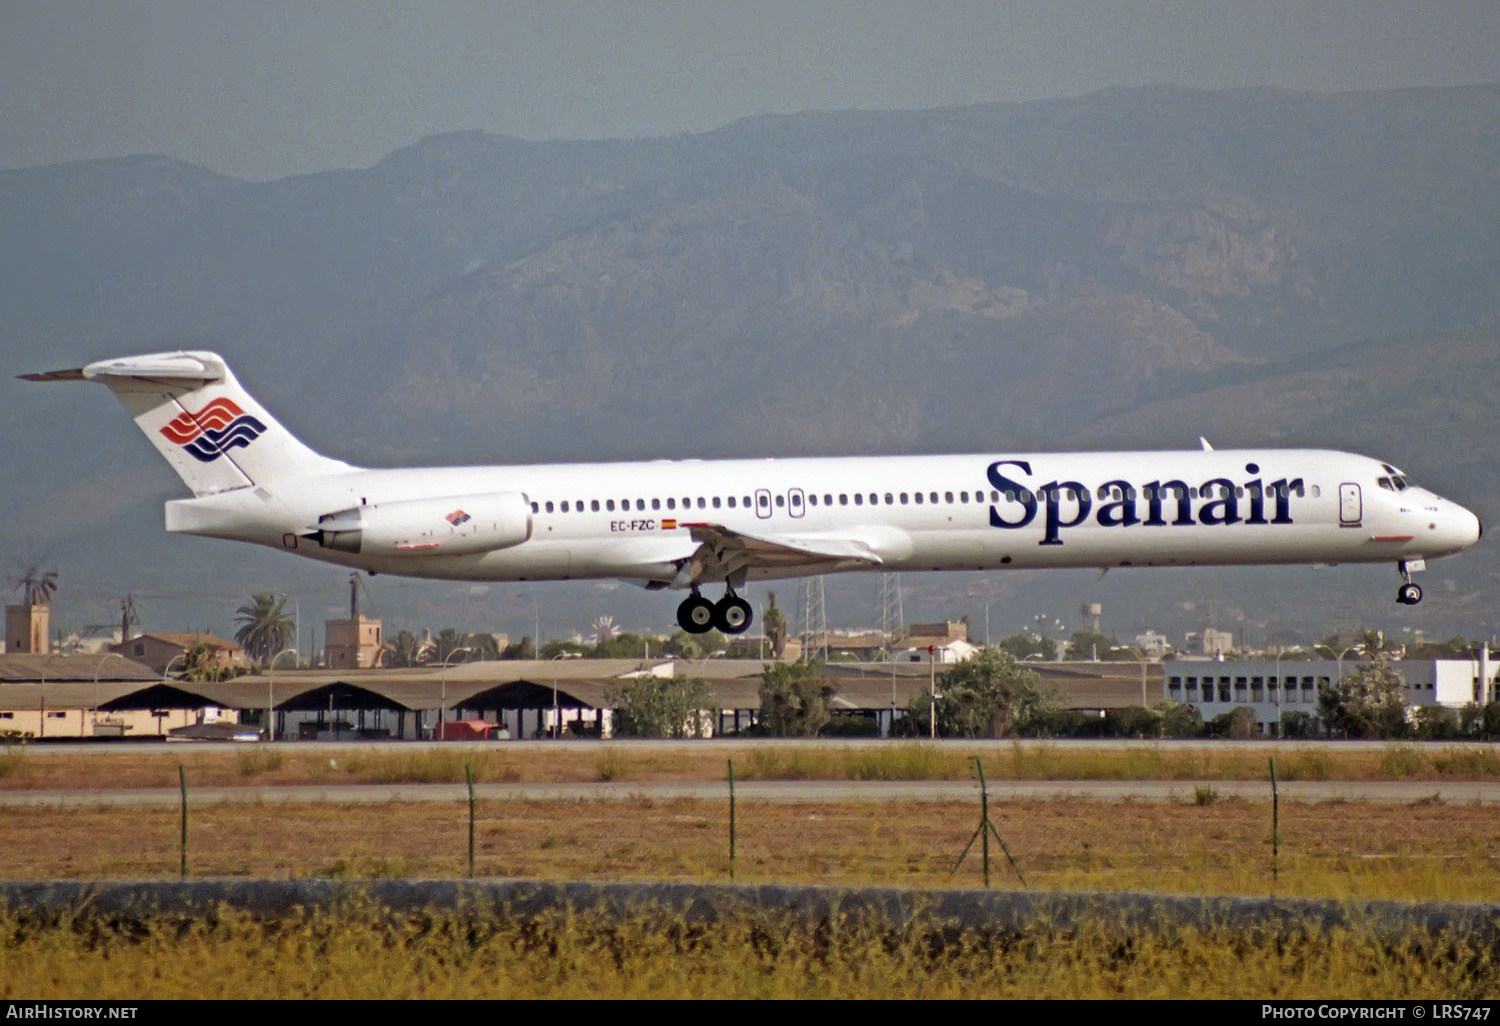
{"points": [[669, 525]]}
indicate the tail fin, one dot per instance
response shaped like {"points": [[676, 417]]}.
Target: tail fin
{"points": [[196, 414]]}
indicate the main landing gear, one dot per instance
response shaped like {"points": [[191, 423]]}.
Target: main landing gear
{"points": [[731, 614], [1410, 592]]}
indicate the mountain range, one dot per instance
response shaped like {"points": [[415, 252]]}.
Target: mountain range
{"points": [[1131, 268]]}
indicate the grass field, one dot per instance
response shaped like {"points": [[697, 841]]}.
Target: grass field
{"points": [[1358, 850], [1426, 850], [289, 764], [364, 955]]}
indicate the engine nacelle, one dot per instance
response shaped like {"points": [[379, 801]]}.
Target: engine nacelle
{"points": [[453, 526]]}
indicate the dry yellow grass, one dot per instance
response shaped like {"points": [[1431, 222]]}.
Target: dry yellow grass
{"points": [[1331, 849], [290, 764], [361, 955]]}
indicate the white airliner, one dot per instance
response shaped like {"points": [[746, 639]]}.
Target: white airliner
{"points": [[684, 524]]}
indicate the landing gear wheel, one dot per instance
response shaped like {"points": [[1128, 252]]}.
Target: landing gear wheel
{"points": [[696, 615], [1410, 594], [732, 615]]}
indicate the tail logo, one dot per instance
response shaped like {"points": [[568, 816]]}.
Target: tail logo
{"points": [[213, 430]]}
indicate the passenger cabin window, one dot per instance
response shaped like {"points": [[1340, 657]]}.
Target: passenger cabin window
{"points": [[859, 499], [671, 504], [535, 508], [656, 504], [843, 499], [549, 506], [594, 505], [716, 502], [640, 504], [609, 504], [780, 501], [948, 497]]}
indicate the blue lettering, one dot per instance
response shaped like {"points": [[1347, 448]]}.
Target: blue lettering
{"points": [[1054, 522], [1022, 493]]}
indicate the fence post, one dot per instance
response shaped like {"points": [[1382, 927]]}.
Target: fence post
{"points": [[731, 821], [984, 812], [182, 782], [1275, 826], [469, 773]]}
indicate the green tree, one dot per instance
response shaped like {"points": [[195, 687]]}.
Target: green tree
{"points": [[1090, 645], [450, 647], [988, 695], [201, 665], [486, 646], [1297, 723], [264, 627], [1023, 644], [401, 650], [775, 627], [695, 646], [1238, 723], [794, 698], [1178, 720], [523, 649], [625, 645], [663, 707], [1370, 702]]}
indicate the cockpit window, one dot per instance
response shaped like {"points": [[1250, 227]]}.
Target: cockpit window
{"points": [[1385, 483]]}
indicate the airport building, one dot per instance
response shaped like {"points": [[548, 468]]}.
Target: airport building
{"points": [[1272, 687]]}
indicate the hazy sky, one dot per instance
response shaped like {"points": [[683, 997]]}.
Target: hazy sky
{"points": [[264, 89]]}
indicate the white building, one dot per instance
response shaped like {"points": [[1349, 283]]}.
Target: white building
{"points": [[1271, 687]]}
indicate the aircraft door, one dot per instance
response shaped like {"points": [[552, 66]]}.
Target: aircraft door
{"points": [[1351, 505], [763, 503], [794, 502]]}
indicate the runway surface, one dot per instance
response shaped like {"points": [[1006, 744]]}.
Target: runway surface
{"points": [[1457, 793]]}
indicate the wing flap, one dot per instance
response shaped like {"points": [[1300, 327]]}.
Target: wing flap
{"points": [[723, 552]]}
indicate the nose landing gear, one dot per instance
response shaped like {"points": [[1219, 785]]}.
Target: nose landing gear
{"points": [[731, 614], [1410, 592]]}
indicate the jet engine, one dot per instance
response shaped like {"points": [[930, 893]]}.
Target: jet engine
{"points": [[453, 526]]}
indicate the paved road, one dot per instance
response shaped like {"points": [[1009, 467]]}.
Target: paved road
{"points": [[1461, 792]]}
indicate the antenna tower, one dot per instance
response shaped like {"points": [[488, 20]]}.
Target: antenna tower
{"points": [[892, 619], [814, 617], [128, 617]]}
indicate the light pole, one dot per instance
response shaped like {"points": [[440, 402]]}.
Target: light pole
{"points": [[1280, 684], [94, 712], [166, 672], [536, 626], [1140, 658], [443, 701], [1339, 657], [271, 691]]}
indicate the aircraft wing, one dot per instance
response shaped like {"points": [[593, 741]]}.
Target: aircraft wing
{"points": [[726, 553]]}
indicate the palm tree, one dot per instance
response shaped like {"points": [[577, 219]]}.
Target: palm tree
{"points": [[265, 628], [402, 651], [604, 629], [36, 587], [445, 644]]}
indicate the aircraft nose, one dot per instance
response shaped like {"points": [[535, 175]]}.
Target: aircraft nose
{"points": [[1472, 530]]}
